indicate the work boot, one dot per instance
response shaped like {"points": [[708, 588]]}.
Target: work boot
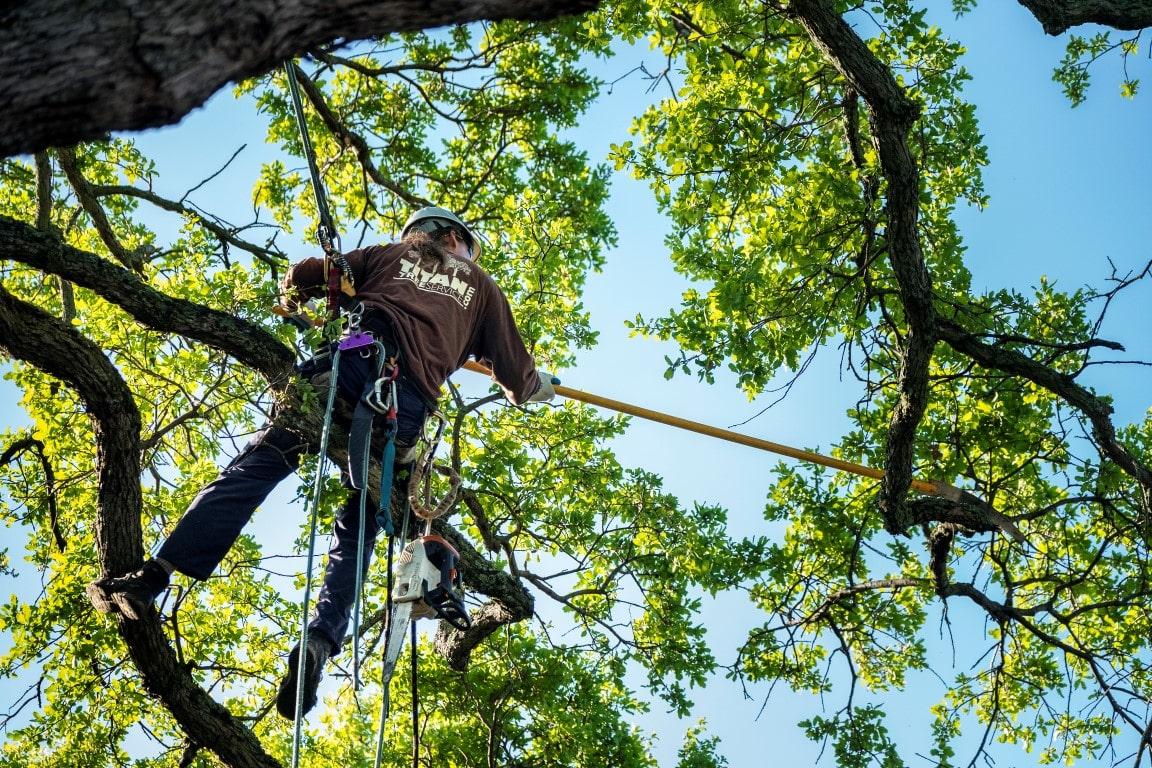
{"points": [[131, 595], [317, 652]]}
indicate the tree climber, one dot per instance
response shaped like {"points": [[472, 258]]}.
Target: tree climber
{"points": [[432, 308]]}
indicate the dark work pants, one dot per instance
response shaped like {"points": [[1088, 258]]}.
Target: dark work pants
{"points": [[217, 515]]}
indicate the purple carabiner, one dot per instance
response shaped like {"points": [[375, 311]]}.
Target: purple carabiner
{"points": [[356, 341]]}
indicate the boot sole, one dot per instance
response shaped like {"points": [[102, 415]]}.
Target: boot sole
{"points": [[131, 610], [100, 599], [115, 603], [286, 696]]}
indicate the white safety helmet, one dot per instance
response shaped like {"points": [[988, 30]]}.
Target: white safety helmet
{"points": [[434, 220]]}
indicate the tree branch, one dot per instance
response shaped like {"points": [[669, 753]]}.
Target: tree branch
{"points": [[457, 646], [44, 224], [67, 158], [891, 114], [347, 138], [840, 595], [227, 235], [1096, 410], [1058, 16], [31, 443], [246, 341], [75, 71]]}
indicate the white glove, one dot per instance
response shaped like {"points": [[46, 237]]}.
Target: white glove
{"points": [[545, 392]]}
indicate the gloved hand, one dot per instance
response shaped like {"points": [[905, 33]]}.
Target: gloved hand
{"points": [[546, 392]]}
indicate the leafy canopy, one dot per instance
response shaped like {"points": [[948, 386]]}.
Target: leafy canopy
{"points": [[772, 159]]}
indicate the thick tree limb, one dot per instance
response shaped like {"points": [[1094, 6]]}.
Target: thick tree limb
{"points": [[73, 71], [30, 334], [246, 341], [1058, 16], [891, 114], [1096, 410]]}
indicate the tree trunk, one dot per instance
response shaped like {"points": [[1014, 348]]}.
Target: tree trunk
{"points": [[28, 333], [1058, 16], [72, 71]]}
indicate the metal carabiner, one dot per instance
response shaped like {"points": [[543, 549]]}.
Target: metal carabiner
{"points": [[355, 315], [380, 401]]}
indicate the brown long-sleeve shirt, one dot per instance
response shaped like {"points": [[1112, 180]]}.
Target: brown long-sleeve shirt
{"points": [[441, 315]]}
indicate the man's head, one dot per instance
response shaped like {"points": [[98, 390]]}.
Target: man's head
{"points": [[445, 228]]}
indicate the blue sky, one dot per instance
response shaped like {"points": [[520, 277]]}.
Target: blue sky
{"points": [[1069, 190]]}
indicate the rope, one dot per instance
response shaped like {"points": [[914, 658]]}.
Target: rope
{"points": [[384, 701], [419, 476], [326, 231], [330, 243], [386, 697], [415, 704], [317, 487], [933, 489], [387, 460]]}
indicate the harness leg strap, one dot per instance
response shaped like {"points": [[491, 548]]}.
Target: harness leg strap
{"points": [[359, 445]]}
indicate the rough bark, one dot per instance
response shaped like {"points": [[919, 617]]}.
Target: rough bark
{"points": [[72, 71], [891, 115], [30, 334], [1058, 16], [247, 342], [457, 646]]}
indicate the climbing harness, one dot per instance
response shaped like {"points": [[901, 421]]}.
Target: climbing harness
{"points": [[426, 580]]}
